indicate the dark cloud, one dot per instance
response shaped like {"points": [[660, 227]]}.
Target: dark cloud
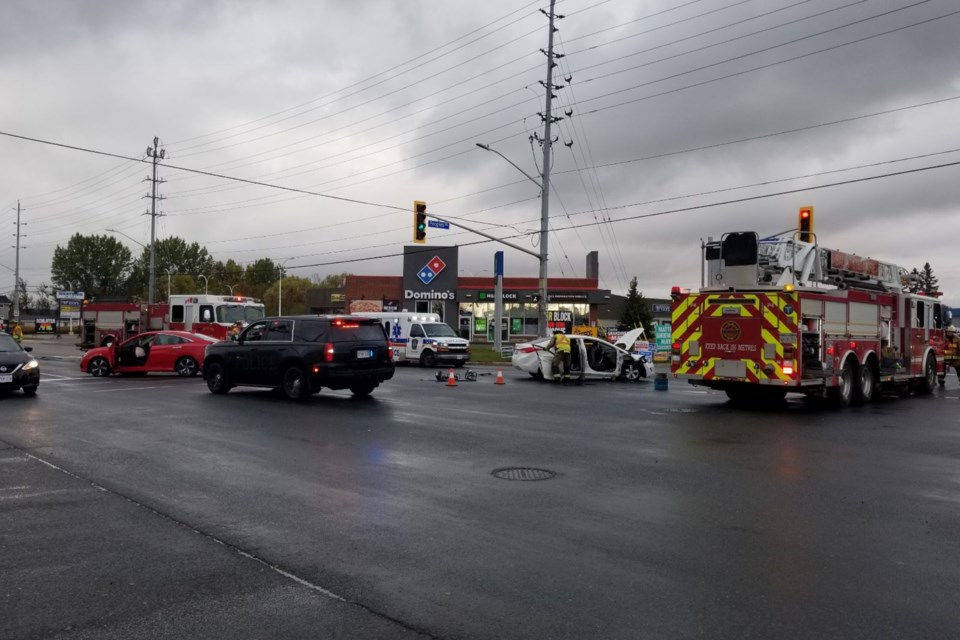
{"points": [[360, 100]]}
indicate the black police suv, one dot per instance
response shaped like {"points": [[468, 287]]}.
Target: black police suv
{"points": [[302, 354]]}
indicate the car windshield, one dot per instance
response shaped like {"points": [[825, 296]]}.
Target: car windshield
{"points": [[439, 330], [230, 313], [7, 343]]}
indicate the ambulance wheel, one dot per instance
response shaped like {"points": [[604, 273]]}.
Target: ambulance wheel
{"points": [[926, 383], [842, 395], [867, 388], [186, 367], [295, 384], [217, 380], [427, 359], [99, 367]]}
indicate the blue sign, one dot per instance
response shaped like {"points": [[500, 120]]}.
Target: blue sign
{"points": [[438, 224]]}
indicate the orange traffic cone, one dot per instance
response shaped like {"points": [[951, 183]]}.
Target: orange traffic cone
{"points": [[451, 379], [499, 377]]}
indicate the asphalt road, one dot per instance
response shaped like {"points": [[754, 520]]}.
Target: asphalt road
{"points": [[149, 508]]}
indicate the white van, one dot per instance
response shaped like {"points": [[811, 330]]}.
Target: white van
{"points": [[422, 337]]}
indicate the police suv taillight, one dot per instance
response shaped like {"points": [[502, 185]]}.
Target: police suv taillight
{"points": [[328, 352]]}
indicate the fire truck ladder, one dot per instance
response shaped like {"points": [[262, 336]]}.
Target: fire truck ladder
{"points": [[792, 261]]}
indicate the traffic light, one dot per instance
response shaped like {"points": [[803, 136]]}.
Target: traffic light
{"points": [[805, 224], [419, 221]]}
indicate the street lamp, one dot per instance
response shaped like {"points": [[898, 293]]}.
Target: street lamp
{"points": [[127, 237], [204, 283], [280, 287], [544, 223], [170, 273]]}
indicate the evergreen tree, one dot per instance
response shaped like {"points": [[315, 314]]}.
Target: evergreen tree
{"points": [[928, 281], [636, 311]]}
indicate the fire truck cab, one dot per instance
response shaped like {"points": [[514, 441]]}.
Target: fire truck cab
{"points": [[208, 315], [783, 315]]}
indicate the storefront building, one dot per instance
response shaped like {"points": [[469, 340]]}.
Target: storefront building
{"points": [[431, 284]]}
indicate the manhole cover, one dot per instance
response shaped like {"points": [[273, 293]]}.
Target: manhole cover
{"points": [[523, 473]]}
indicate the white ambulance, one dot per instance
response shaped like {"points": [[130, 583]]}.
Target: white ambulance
{"points": [[422, 337]]}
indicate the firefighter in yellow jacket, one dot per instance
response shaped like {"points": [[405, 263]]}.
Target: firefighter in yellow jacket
{"points": [[951, 353], [17, 332], [560, 345]]}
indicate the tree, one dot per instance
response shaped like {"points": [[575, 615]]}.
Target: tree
{"points": [[636, 310], [331, 281], [294, 295], [96, 265], [172, 254], [259, 276], [43, 302], [928, 281]]}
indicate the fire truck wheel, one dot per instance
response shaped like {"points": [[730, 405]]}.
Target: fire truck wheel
{"points": [[217, 380], [867, 388], [926, 383], [99, 367], [842, 395], [295, 384], [186, 367]]}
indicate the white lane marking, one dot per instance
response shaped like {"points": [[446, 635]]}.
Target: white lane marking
{"points": [[127, 389], [45, 375], [38, 494]]}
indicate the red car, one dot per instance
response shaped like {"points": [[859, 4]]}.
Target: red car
{"points": [[178, 351]]}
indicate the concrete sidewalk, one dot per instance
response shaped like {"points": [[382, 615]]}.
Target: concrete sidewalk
{"points": [[50, 347]]}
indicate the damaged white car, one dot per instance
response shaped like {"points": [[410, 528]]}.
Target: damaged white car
{"points": [[597, 359]]}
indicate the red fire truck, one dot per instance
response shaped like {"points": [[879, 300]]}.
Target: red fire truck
{"points": [[784, 315], [107, 320]]}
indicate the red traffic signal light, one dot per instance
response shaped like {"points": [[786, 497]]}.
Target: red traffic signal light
{"points": [[805, 224], [419, 221]]}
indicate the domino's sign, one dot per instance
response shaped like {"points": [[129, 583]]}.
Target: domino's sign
{"points": [[431, 270]]}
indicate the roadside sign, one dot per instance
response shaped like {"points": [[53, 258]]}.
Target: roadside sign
{"points": [[438, 224]]}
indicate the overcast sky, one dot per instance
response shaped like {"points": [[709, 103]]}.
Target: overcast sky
{"points": [[678, 108]]}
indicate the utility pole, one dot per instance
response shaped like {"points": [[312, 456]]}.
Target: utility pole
{"points": [[157, 155], [548, 120], [16, 270]]}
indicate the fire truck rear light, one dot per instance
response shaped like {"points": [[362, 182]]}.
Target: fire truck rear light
{"points": [[853, 345], [830, 350], [788, 369], [328, 352]]}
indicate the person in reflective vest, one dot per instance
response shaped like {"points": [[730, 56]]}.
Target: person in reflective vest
{"points": [[951, 353], [560, 345], [17, 332]]}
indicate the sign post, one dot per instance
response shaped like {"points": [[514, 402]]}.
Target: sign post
{"points": [[498, 302], [70, 305]]}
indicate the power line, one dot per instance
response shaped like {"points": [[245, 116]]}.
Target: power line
{"points": [[655, 214]]}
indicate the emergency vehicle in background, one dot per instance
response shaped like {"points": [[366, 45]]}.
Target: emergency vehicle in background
{"points": [[421, 337], [784, 315], [106, 320]]}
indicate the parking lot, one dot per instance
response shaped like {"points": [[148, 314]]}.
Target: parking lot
{"points": [[148, 507]]}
